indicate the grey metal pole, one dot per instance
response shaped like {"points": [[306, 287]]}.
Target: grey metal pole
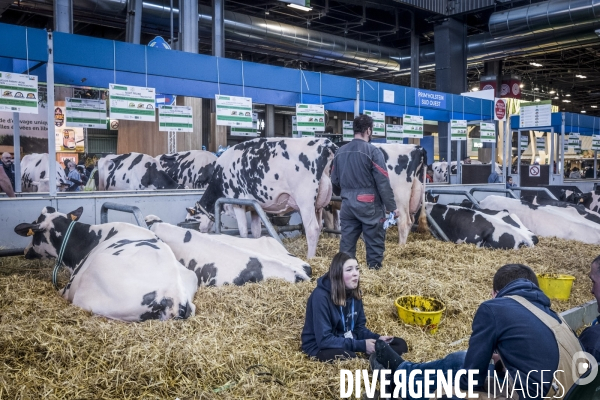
{"points": [[133, 24], [357, 101], [595, 163], [551, 159], [270, 120], [449, 151], [171, 20], [505, 149], [63, 16], [496, 126], [414, 53], [218, 27], [188, 25], [519, 156], [458, 164], [562, 149], [50, 110], [17, 151]]}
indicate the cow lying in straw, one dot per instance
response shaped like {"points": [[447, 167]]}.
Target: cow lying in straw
{"points": [[221, 259], [118, 270]]}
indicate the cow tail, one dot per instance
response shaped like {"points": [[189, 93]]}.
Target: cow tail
{"points": [[423, 226]]}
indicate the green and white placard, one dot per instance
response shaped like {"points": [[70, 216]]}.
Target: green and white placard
{"points": [[596, 142], [310, 118], [413, 126], [84, 113], [378, 122], [347, 131], [575, 143], [540, 144], [248, 132], [132, 102], [394, 133], [233, 111], [175, 119], [18, 93], [487, 132], [295, 132], [524, 143], [458, 129]]}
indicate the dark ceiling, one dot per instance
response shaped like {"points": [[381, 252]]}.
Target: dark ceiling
{"points": [[384, 22]]}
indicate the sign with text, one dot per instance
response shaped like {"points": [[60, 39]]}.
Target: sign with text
{"points": [[458, 129], [248, 132], [175, 119], [413, 126], [427, 98], [378, 122], [18, 93], [310, 118], [394, 133], [84, 113], [347, 131], [233, 111], [540, 144], [535, 114], [388, 96], [67, 139], [295, 133], [596, 142], [524, 143], [500, 109], [575, 143], [487, 132], [132, 102]]}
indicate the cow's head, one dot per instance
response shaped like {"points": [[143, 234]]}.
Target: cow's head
{"points": [[201, 215], [43, 185], [47, 232]]}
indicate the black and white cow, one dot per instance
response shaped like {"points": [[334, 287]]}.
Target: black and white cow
{"points": [[544, 201], [227, 260], [192, 168], [133, 171], [118, 270], [564, 223], [493, 229], [34, 174], [590, 200], [406, 165], [283, 175]]}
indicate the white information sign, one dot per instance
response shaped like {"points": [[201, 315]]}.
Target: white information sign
{"points": [[310, 118], [535, 114], [413, 126], [575, 143], [175, 119], [487, 131], [248, 132], [84, 113], [233, 111], [18, 93], [394, 133], [458, 129], [378, 122], [132, 102], [347, 131], [524, 143], [388, 96], [540, 144], [67, 139], [596, 142]]}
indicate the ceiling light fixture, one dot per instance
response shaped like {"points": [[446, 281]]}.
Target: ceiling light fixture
{"points": [[580, 76], [296, 6], [537, 100], [536, 88], [475, 89], [556, 98], [594, 106], [535, 64], [521, 86], [552, 91], [566, 101], [568, 94], [583, 111]]}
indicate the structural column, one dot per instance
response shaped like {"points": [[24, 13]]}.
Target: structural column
{"points": [[270, 120], [63, 16], [133, 24], [414, 53], [450, 72], [218, 133], [188, 25]]}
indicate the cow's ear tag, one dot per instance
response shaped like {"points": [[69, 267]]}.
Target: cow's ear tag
{"points": [[30, 232], [73, 217]]}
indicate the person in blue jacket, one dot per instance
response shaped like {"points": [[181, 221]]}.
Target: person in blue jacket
{"points": [[590, 337], [335, 319]]}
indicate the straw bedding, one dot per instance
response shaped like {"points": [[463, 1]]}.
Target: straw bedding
{"points": [[244, 342]]}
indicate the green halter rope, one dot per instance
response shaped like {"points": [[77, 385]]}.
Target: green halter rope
{"points": [[60, 255]]}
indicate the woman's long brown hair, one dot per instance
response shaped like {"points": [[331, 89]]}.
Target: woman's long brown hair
{"points": [[336, 276]]}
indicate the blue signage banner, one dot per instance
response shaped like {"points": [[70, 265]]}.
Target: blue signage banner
{"points": [[426, 98]]}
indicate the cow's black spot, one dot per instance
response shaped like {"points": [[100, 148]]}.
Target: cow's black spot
{"points": [[510, 221], [116, 253], [111, 233], [155, 309], [49, 210], [187, 237], [135, 161], [42, 174], [252, 272], [297, 168], [185, 310], [307, 269], [285, 155], [148, 298], [192, 265], [304, 160], [276, 177], [142, 242], [311, 143], [38, 163], [207, 274]]}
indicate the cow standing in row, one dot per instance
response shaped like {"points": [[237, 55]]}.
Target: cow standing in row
{"points": [[35, 174], [283, 175], [133, 171], [118, 270], [227, 260], [192, 168]]}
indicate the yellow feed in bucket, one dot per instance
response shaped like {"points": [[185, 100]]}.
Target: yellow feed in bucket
{"points": [[422, 311], [556, 286]]}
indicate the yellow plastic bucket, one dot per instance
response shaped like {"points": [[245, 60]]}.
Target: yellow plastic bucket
{"points": [[556, 286], [422, 311]]}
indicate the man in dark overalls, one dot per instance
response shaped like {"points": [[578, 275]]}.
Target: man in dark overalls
{"points": [[359, 171]]}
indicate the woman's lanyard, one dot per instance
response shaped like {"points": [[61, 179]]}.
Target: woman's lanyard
{"points": [[344, 319]]}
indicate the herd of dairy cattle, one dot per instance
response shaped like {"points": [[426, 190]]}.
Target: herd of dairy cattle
{"points": [[283, 175]]}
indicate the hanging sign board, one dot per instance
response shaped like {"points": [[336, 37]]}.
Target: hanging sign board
{"points": [[175, 119], [458, 129], [248, 132], [18, 93], [575, 143], [500, 110], [534, 171], [233, 111], [413, 126], [394, 133], [524, 143], [310, 118], [295, 132], [388, 96], [378, 122], [535, 114], [84, 113], [596, 142], [540, 144], [427, 98], [347, 131], [68, 139], [476, 144], [487, 132], [132, 102]]}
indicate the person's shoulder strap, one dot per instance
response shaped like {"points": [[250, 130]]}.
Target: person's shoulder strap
{"points": [[545, 318]]}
